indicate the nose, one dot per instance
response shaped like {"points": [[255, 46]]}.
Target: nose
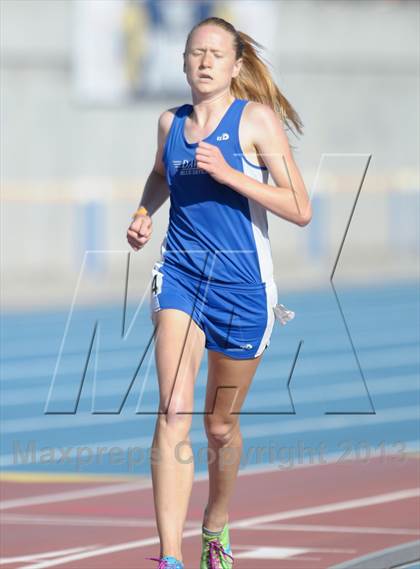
{"points": [[206, 60]]}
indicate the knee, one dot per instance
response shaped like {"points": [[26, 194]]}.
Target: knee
{"points": [[219, 431], [176, 417]]}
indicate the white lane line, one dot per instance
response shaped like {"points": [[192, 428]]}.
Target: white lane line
{"points": [[104, 490], [267, 399], [389, 357], [45, 555], [117, 358], [75, 495], [272, 552], [333, 507], [35, 519], [330, 458], [301, 558], [334, 529], [29, 346], [258, 552], [104, 551], [281, 426], [247, 522]]}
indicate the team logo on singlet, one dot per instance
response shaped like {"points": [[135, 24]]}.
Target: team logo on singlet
{"points": [[224, 136], [187, 167]]}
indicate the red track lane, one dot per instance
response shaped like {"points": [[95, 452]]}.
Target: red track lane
{"points": [[280, 495]]}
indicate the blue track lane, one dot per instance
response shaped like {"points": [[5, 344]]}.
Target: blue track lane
{"points": [[325, 412]]}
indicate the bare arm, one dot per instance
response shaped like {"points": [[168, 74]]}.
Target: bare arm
{"points": [[156, 190], [288, 198]]}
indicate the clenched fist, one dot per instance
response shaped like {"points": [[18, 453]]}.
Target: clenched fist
{"points": [[210, 159], [140, 231]]}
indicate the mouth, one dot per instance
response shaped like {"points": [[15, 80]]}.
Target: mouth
{"points": [[205, 76]]}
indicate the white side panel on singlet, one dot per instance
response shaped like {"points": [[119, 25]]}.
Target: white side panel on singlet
{"points": [[259, 223]]}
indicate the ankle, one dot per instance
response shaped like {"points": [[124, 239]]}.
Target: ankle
{"points": [[215, 523], [178, 557]]}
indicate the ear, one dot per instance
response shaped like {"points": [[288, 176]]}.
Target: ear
{"points": [[237, 67], [183, 67]]}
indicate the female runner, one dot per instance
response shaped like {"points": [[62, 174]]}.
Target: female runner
{"points": [[213, 286]]}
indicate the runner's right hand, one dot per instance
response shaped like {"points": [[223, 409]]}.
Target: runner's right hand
{"points": [[139, 231]]}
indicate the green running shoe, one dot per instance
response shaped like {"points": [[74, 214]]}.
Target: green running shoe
{"points": [[216, 550]]}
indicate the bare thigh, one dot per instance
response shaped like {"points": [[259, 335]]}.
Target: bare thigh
{"points": [[228, 383], [179, 347]]}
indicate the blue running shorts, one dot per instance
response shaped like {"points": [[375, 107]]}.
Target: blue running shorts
{"points": [[236, 318]]}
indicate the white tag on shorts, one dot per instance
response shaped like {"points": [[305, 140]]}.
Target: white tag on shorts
{"points": [[282, 314]]}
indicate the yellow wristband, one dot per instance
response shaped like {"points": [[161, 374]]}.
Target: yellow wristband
{"points": [[140, 211]]}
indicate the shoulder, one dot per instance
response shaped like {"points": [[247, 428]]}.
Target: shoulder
{"points": [[164, 125], [165, 121], [259, 114], [265, 126], [166, 118]]}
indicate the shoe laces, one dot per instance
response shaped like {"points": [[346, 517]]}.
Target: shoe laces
{"points": [[215, 549], [163, 563]]}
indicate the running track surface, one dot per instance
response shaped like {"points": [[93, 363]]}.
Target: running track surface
{"points": [[306, 517], [354, 393]]}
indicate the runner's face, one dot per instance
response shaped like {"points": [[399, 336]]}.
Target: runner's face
{"points": [[210, 59]]}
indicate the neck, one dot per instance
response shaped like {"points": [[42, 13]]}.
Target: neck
{"points": [[212, 106]]}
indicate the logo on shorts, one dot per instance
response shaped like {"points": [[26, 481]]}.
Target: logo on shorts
{"points": [[224, 136], [246, 346]]}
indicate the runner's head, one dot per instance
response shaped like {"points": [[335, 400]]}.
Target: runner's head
{"points": [[211, 58], [230, 59]]}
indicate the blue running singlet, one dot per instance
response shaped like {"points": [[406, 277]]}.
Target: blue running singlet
{"points": [[216, 261], [213, 230]]}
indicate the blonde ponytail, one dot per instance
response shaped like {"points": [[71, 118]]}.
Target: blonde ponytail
{"points": [[254, 81]]}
